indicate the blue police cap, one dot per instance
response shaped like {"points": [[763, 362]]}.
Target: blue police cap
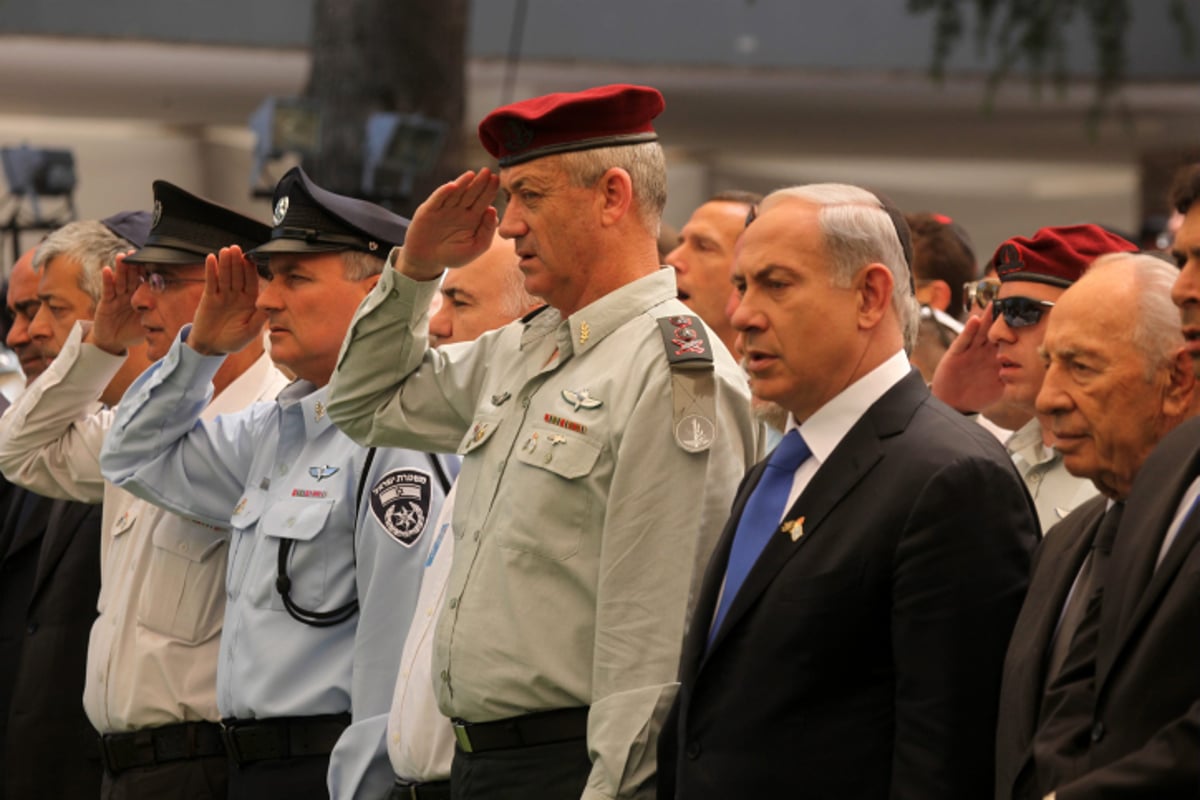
{"points": [[186, 228], [132, 226], [309, 219]]}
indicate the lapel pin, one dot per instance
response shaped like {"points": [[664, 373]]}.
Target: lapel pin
{"points": [[794, 528]]}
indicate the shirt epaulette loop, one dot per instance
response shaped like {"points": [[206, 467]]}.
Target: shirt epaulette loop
{"points": [[693, 385]]}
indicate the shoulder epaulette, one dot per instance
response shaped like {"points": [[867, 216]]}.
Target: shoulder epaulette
{"points": [[693, 386], [686, 340]]}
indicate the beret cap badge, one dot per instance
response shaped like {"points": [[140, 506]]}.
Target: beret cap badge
{"points": [[517, 134], [1008, 259]]}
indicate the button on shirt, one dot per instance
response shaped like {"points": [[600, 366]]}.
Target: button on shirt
{"points": [[152, 655], [1056, 492], [281, 472], [579, 520]]}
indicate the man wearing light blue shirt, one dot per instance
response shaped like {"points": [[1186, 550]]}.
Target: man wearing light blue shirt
{"points": [[329, 538]]}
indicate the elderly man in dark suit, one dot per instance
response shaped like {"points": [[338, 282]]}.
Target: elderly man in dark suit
{"points": [[850, 629], [1116, 382], [1123, 720]]}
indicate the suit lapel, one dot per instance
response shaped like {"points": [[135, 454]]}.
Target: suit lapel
{"points": [[1069, 548], [25, 532], [1133, 588], [855, 456], [695, 645], [63, 522]]}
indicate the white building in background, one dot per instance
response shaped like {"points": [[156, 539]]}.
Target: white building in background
{"points": [[759, 93]]}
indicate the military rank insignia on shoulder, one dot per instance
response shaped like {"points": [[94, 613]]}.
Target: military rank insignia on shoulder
{"points": [[686, 341], [400, 502], [693, 387]]}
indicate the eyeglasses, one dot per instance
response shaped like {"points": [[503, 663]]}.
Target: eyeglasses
{"points": [[159, 282], [978, 294], [1020, 312]]}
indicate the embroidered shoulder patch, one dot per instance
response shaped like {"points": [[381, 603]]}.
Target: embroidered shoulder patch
{"points": [[400, 502]]}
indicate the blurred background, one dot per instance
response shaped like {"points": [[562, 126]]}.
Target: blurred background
{"points": [[1035, 120]]}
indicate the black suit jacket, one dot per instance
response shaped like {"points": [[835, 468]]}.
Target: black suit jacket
{"points": [[1056, 562], [863, 659], [51, 583], [1139, 733]]}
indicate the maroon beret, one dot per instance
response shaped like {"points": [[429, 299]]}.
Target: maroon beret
{"points": [[560, 123], [1057, 256]]}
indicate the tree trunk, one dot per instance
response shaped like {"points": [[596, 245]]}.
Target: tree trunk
{"points": [[386, 55]]}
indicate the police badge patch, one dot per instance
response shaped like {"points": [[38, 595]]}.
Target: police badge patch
{"points": [[400, 502]]}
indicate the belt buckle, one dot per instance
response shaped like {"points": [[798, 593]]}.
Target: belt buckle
{"points": [[460, 734]]}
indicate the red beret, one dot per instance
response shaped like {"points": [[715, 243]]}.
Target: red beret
{"points": [[1057, 256], [559, 123]]}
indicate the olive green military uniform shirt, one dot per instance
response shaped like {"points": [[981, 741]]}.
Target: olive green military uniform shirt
{"points": [[581, 519]]}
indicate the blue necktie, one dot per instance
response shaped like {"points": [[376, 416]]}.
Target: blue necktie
{"points": [[760, 518]]}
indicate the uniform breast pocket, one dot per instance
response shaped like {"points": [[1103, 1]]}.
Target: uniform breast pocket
{"points": [[316, 570], [183, 595], [550, 500]]}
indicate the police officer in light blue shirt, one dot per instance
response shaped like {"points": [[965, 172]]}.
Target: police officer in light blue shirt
{"points": [[329, 538]]}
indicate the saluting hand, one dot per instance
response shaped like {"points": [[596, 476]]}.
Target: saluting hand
{"points": [[452, 227], [968, 377], [117, 324], [227, 318]]}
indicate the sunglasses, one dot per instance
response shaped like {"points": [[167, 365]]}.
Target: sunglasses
{"points": [[977, 294], [1020, 312]]}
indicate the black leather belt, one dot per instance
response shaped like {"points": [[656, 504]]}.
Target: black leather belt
{"points": [[432, 790], [543, 727], [148, 746], [253, 740]]}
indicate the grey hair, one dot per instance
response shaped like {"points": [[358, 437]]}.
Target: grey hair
{"points": [[647, 168], [858, 231], [515, 299], [1157, 327], [359, 265], [88, 242]]}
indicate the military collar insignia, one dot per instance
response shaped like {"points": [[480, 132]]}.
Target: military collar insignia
{"points": [[585, 331], [321, 473], [581, 398], [318, 411]]}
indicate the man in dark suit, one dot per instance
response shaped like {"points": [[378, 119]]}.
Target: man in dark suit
{"points": [[849, 632], [1124, 719], [49, 583], [1116, 382]]}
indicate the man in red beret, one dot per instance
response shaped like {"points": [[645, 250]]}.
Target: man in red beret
{"points": [[998, 357], [603, 438]]}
